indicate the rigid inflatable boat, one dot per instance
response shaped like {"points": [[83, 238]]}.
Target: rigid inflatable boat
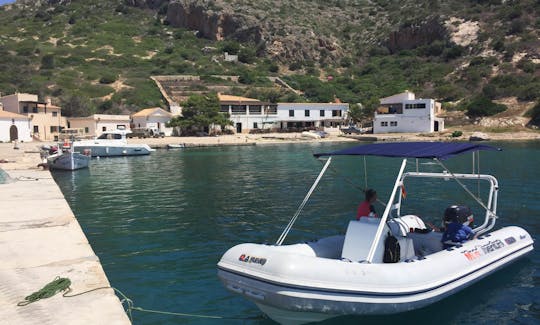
{"points": [[346, 275]]}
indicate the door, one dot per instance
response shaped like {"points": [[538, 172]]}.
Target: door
{"points": [[436, 126], [238, 127], [13, 133]]}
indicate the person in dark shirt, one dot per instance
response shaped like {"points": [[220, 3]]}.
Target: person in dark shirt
{"points": [[366, 208], [457, 220]]}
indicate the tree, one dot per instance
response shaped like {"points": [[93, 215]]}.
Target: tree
{"points": [[76, 106], [199, 112]]}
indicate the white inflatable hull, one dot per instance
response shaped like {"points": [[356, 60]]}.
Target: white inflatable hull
{"points": [[293, 286]]}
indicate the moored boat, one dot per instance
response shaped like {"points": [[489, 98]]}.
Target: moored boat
{"points": [[347, 275], [68, 160], [111, 143], [62, 157]]}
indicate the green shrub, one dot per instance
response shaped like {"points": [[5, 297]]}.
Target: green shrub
{"points": [[247, 55], [456, 134], [108, 79], [231, 47], [483, 106], [534, 114], [47, 61], [526, 65]]}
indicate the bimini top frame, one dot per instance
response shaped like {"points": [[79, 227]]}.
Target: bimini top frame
{"points": [[427, 150]]}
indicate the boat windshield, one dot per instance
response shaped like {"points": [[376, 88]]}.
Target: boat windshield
{"points": [[110, 136]]}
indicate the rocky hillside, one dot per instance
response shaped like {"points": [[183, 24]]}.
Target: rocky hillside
{"points": [[97, 55]]}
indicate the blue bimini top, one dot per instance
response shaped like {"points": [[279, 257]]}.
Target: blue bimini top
{"points": [[430, 150]]}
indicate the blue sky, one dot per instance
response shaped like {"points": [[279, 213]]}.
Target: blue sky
{"points": [[3, 2]]}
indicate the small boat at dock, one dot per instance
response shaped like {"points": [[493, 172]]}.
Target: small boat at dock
{"points": [[350, 275], [64, 158]]}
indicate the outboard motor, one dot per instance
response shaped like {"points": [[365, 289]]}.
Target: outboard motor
{"points": [[458, 213]]}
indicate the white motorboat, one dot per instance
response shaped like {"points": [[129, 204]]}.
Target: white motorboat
{"points": [[346, 275], [176, 146], [111, 143]]}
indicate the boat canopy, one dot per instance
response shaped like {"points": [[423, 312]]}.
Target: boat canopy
{"points": [[438, 150]]}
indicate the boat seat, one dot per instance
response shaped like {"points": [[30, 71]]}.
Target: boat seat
{"points": [[425, 244], [358, 239]]}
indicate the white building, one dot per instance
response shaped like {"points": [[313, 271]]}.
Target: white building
{"points": [[312, 115], [154, 118], [95, 125], [250, 114], [14, 126], [403, 113]]}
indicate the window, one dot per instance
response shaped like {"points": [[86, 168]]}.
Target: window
{"points": [[255, 110], [271, 110], [415, 106], [321, 112], [54, 114], [34, 109], [384, 123], [36, 129], [54, 129], [291, 113], [25, 109], [393, 123], [336, 112], [224, 108], [103, 128], [306, 112], [255, 125], [86, 130], [238, 109]]}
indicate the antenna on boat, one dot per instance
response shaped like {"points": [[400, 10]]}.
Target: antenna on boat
{"points": [[301, 207]]}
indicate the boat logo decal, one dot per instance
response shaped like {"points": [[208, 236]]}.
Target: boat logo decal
{"points": [[492, 246], [252, 259], [510, 240], [472, 254]]}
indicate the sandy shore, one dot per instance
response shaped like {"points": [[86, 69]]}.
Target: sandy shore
{"points": [[273, 138]]}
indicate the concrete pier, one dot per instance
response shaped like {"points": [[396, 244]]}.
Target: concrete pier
{"points": [[40, 239]]}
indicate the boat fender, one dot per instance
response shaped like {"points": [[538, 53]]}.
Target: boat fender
{"points": [[392, 250]]}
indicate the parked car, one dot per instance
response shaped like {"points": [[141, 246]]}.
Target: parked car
{"points": [[352, 129]]}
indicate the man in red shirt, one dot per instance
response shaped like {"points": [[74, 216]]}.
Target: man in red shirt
{"points": [[366, 208]]}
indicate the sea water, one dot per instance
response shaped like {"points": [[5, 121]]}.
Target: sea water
{"points": [[160, 223]]}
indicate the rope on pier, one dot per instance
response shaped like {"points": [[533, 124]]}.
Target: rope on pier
{"points": [[63, 284], [52, 288]]}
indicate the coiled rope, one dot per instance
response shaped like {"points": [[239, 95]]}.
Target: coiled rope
{"points": [[63, 284]]}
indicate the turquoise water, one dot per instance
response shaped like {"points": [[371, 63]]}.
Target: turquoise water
{"points": [[160, 223]]}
